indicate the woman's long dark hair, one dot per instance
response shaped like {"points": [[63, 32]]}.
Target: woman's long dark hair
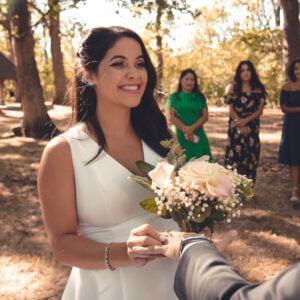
{"points": [[147, 119], [255, 82], [196, 88], [291, 69]]}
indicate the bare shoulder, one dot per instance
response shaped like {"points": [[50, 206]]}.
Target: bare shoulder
{"points": [[229, 89], [287, 86], [56, 163], [58, 149]]}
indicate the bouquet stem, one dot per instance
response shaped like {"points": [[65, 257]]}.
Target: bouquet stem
{"points": [[187, 225]]}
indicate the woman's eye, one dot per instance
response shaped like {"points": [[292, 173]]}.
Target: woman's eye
{"points": [[117, 64], [141, 64]]}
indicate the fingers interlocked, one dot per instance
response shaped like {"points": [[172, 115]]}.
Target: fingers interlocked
{"points": [[144, 244]]}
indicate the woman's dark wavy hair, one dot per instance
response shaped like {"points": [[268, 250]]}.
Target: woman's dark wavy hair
{"points": [[291, 69], [196, 88], [255, 82], [147, 119]]}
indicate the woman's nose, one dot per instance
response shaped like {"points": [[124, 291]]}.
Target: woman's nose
{"points": [[132, 72]]}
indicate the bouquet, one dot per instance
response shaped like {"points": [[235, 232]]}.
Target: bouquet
{"points": [[196, 194]]}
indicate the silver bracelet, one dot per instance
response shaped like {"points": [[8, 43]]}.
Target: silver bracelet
{"points": [[106, 258]]}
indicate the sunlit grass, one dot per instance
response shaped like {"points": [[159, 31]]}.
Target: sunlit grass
{"points": [[25, 277]]}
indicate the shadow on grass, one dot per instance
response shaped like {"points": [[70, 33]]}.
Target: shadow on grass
{"points": [[20, 213]]}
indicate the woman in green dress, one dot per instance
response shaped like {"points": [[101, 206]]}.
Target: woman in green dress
{"points": [[187, 112]]}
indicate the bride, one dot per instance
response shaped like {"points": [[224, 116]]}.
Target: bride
{"points": [[89, 205]]}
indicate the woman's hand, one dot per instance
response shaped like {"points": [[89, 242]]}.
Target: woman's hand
{"points": [[240, 122], [144, 236], [190, 137], [188, 130], [244, 130], [171, 246]]}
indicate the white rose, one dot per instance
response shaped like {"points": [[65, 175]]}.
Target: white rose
{"points": [[209, 177], [163, 174]]}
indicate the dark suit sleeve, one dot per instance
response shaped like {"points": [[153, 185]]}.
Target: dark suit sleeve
{"points": [[204, 274]]}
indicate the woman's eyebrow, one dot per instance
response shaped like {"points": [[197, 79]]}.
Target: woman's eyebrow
{"points": [[123, 57], [117, 56]]}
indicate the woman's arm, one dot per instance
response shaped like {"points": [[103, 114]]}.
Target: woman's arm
{"points": [[287, 87], [199, 123], [243, 122], [229, 93], [232, 114], [172, 119], [289, 110], [229, 89], [56, 189]]}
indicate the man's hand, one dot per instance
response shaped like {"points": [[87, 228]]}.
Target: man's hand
{"points": [[225, 240]]}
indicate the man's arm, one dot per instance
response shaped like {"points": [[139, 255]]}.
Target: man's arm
{"points": [[203, 273]]}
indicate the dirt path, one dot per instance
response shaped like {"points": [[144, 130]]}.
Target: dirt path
{"points": [[268, 228]]}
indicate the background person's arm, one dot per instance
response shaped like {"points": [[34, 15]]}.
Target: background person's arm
{"points": [[284, 94], [199, 123], [173, 120]]}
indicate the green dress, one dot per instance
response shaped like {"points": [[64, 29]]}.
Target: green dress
{"points": [[188, 109]]}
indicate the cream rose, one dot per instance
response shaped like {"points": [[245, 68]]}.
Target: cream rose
{"points": [[163, 174], [208, 176]]}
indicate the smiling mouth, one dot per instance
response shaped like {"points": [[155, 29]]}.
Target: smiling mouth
{"points": [[131, 88]]}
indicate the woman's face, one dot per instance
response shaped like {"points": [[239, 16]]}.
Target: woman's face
{"points": [[245, 73], [121, 76], [188, 82], [297, 71]]}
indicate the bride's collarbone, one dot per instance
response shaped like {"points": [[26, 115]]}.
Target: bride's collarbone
{"points": [[127, 154]]}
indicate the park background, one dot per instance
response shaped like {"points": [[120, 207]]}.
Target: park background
{"points": [[40, 38]]}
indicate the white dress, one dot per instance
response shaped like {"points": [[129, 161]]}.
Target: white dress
{"points": [[108, 208]]}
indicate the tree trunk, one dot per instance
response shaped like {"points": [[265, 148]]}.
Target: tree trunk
{"points": [[7, 25], [17, 92], [159, 52], [291, 29], [60, 81], [276, 10], [2, 92], [36, 122]]}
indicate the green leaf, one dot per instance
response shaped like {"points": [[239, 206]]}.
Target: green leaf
{"points": [[143, 181], [167, 144], [149, 205], [165, 213], [144, 168], [203, 215], [248, 189], [219, 215], [172, 158], [174, 147]]}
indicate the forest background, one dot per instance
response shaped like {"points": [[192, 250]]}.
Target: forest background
{"points": [[41, 39], [44, 36]]}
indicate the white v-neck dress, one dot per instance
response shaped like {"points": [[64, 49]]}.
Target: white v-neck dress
{"points": [[108, 209]]}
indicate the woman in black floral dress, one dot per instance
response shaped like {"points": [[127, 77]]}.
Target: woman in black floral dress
{"points": [[246, 99]]}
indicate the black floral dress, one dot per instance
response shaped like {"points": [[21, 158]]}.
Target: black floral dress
{"points": [[242, 151]]}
